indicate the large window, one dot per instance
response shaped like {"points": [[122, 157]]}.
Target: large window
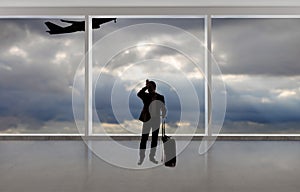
{"points": [[116, 104], [259, 59], [36, 76]]}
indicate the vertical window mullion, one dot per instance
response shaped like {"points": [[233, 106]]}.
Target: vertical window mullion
{"points": [[208, 84], [88, 75]]}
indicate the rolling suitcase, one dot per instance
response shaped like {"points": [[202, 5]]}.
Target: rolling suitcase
{"points": [[169, 148]]}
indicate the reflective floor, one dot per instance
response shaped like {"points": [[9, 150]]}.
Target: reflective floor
{"points": [[240, 166]]}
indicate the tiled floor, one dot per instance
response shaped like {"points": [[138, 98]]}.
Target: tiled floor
{"points": [[241, 166]]}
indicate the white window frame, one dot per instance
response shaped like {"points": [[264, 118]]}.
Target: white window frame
{"points": [[160, 12]]}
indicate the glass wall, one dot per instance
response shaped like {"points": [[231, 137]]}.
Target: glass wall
{"points": [[116, 83], [259, 59], [36, 76]]}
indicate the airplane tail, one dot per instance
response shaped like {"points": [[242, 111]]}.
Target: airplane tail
{"points": [[53, 28]]}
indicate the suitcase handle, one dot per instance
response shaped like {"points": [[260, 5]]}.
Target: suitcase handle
{"points": [[163, 127]]}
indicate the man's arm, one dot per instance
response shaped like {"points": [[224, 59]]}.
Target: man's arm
{"points": [[141, 94]]}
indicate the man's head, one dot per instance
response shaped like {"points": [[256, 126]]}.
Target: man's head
{"points": [[151, 87]]}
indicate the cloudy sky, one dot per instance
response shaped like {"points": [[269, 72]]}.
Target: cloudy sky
{"points": [[260, 62], [126, 72], [259, 59], [36, 77]]}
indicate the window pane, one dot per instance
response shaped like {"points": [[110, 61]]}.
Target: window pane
{"points": [[259, 59], [127, 70], [36, 76]]}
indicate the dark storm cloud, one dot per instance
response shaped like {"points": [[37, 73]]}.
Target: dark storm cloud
{"points": [[102, 100], [192, 25], [258, 46], [259, 59], [37, 71], [36, 74], [140, 53], [247, 113], [103, 94], [241, 107]]}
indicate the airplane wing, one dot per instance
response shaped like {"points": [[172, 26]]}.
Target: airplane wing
{"points": [[67, 21]]}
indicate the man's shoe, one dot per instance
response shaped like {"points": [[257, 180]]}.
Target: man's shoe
{"points": [[140, 161], [153, 160]]}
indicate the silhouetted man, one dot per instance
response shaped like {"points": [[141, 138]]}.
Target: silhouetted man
{"points": [[154, 105]]}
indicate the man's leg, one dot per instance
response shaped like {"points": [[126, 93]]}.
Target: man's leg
{"points": [[154, 143], [143, 143], [155, 131]]}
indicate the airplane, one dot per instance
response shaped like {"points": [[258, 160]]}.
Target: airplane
{"points": [[76, 25]]}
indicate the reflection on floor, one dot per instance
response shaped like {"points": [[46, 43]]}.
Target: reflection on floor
{"points": [[240, 166]]}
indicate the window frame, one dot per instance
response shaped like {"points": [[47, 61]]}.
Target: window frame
{"points": [[143, 12]]}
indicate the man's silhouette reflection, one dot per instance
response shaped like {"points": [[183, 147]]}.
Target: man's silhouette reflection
{"points": [[154, 105]]}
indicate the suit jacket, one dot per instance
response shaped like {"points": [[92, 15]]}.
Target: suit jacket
{"points": [[153, 104]]}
